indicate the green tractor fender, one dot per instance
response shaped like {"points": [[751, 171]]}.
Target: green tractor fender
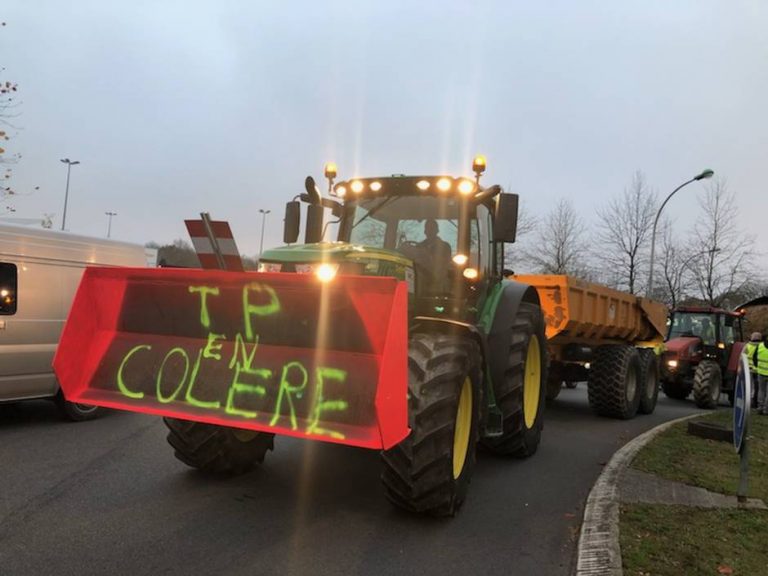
{"points": [[493, 333], [497, 321]]}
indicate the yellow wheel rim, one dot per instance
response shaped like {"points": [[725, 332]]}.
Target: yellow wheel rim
{"points": [[532, 382], [463, 428]]}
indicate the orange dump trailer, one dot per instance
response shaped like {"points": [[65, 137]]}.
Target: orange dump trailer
{"points": [[605, 337]]}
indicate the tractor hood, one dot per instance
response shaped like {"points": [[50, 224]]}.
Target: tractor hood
{"points": [[332, 252], [682, 347]]}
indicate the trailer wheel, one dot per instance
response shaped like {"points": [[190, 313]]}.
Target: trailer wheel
{"points": [[706, 384], [520, 396], [615, 381], [430, 470], [217, 449], [675, 390], [649, 381]]}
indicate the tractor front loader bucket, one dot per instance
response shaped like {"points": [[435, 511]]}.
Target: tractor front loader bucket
{"points": [[282, 353]]}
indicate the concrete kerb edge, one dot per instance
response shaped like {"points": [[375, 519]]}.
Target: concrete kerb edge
{"points": [[599, 553]]}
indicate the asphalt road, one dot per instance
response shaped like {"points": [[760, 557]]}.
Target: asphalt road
{"points": [[108, 497]]}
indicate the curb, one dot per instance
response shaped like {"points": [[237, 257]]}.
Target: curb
{"points": [[599, 553]]}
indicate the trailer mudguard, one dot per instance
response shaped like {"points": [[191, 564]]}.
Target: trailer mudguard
{"points": [[281, 353]]}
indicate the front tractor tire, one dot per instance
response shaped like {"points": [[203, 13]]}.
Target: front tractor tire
{"points": [[520, 396], [217, 449], [554, 382], [430, 470], [707, 382], [614, 388]]}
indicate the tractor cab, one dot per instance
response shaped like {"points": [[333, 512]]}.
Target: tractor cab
{"points": [[716, 329], [443, 235], [701, 353]]}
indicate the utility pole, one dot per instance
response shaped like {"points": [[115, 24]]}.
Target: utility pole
{"points": [[69, 164], [109, 226], [263, 223]]}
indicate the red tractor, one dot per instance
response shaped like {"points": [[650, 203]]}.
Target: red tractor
{"points": [[701, 354]]}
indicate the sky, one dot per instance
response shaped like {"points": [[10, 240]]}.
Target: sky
{"points": [[177, 108]]}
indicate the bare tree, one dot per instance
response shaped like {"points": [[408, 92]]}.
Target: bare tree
{"points": [[625, 226], [8, 105], [559, 246], [674, 263], [721, 264], [515, 255]]}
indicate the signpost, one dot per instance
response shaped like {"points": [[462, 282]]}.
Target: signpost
{"points": [[741, 405]]}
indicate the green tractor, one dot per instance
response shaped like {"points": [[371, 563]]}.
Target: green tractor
{"points": [[477, 354], [403, 336]]}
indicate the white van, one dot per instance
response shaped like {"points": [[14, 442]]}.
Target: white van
{"points": [[40, 271]]}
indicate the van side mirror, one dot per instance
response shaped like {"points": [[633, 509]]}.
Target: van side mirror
{"points": [[292, 222], [314, 231], [505, 218], [8, 288]]}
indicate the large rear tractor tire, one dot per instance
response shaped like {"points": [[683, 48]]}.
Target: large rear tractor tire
{"points": [[615, 381], [217, 449], [431, 469], [706, 384], [649, 381], [676, 390], [520, 396]]}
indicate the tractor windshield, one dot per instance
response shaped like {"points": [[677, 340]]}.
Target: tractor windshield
{"points": [[402, 222], [693, 324]]}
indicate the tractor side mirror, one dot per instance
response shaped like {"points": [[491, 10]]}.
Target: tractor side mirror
{"points": [[314, 231], [729, 321], [505, 218], [292, 222]]}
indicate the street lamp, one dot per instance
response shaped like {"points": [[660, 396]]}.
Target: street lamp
{"points": [[69, 164], [109, 226], [263, 223], [705, 174]]}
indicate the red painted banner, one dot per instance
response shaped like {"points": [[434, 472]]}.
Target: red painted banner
{"points": [[282, 353]]}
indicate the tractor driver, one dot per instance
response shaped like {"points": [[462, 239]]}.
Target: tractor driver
{"points": [[707, 332], [438, 254]]}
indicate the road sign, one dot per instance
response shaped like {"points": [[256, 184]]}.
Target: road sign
{"points": [[741, 402], [214, 244]]}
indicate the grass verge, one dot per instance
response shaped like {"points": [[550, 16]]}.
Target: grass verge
{"points": [[676, 455], [673, 540], [676, 540]]}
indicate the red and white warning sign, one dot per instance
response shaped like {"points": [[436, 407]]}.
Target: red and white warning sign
{"points": [[214, 244]]}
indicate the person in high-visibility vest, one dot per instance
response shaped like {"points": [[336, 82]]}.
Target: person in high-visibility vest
{"points": [[761, 360], [749, 351]]}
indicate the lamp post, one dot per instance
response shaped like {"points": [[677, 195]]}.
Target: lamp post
{"points": [[69, 164], [705, 174], [109, 226], [263, 224]]}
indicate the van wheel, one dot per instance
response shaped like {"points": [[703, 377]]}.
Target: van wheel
{"points": [[74, 411]]}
